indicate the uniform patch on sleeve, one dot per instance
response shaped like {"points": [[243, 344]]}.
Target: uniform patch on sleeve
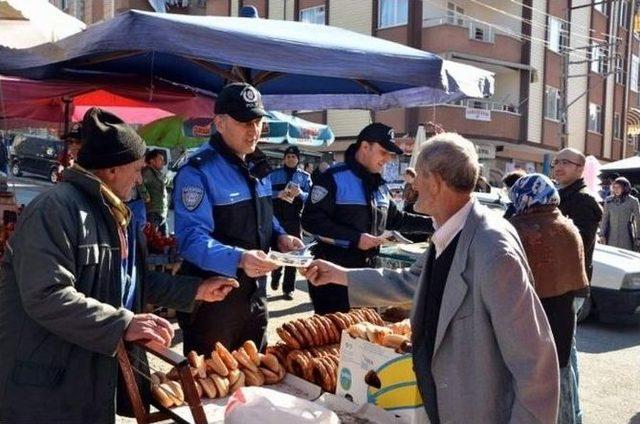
{"points": [[192, 197], [318, 193]]}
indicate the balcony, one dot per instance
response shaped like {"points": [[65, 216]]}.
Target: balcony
{"points": [[457, 33], [477, 119]]}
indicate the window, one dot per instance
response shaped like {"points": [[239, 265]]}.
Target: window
{"points": [[552, 103], [617, 127], [393, 13], [480, 32], [312, 15], [602, 6], [598, 59], [64, 4], [455, 14], [595, 118], [635, 66], [623, 14], [557, 35], [620, 70]]}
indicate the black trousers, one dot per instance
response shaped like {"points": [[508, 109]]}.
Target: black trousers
{"points": [[293, 228], [332, 298], [289, 283]]}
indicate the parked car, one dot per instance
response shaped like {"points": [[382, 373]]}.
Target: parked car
{"points": [[615, 284], [34, 155]]}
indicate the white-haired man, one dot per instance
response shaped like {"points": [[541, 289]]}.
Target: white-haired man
{"points": [[482, 347]]}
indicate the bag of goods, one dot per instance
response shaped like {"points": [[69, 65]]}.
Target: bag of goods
{"points": [[266, 406]]}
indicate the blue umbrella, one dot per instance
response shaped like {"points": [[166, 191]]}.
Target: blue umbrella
{"points": [[295, 65]]}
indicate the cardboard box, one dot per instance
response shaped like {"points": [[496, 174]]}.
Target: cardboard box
{"points": [[370, 373]]}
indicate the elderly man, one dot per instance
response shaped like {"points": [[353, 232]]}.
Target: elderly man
{"points": [[482, 347], [72, 287]]}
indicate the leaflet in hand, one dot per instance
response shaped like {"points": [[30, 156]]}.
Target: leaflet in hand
{"points": [[290, 259], [394, 237]]}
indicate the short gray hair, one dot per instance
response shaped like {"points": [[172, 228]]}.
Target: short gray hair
{"points": [[453, 157]]}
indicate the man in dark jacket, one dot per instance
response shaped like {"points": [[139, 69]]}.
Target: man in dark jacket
{"points": [[577, 203], [72, 289], [350, 208], [155, 183], [291, 188]]}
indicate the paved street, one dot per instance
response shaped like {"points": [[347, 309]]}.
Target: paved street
{"points": [[609, 355]]}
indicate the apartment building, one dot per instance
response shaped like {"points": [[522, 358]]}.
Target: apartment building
{"points": [[541, 51]]}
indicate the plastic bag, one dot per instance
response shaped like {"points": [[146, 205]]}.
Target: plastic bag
{"points": [[266, 406]]}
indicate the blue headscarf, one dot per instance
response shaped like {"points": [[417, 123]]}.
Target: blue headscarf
{"points": [[533, 190]]}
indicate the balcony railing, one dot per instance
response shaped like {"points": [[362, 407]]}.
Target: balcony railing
{"points": [[477, 30], [488, 105]]}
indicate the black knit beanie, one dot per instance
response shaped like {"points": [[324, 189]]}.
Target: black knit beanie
{"points": [[107, 141]]}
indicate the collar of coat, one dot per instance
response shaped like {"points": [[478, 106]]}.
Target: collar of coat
{"points": [[92, 185], [577, 185]]}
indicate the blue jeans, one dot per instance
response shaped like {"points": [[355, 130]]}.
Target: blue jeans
{"points": [[566, 414], [577, 304]]}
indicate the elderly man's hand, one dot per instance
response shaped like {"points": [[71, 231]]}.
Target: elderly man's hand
{"points": [[287, 243], [256, 264], [149, 327], [321, 272], [367, 241], [215, 289]]}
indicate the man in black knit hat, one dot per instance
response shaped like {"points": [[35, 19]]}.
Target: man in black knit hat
{"points": [[73, 285]]}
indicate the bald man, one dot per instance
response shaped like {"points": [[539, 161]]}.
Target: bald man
{"points": [[577, 203]]}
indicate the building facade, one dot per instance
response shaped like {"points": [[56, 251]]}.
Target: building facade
{"points": [[566, 71]]}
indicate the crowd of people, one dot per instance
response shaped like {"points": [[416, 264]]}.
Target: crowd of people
{"points": [[494, 300]]}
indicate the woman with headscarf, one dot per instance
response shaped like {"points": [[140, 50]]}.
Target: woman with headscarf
{"points": [[556, 258], [620, 218]]}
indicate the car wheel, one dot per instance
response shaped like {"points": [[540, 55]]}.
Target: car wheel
{"points": [[15, 169], [585, 310], [53, 175]]}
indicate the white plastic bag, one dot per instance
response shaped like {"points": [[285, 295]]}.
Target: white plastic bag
{"points": [[266, 406]]}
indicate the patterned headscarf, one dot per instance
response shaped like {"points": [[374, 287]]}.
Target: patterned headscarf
{"points": [[533, 190]]}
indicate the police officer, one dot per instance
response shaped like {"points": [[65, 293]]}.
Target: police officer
{"points": [[291, 188], [350, 207], [225, 223]]}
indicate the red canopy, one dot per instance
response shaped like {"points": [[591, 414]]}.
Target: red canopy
{"points": [[23, 100]]}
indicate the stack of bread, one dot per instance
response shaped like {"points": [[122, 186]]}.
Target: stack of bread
{"points": [[396, 336], [220, 374], [310, 346]]}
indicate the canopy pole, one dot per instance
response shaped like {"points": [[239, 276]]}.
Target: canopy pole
{"points": [[67, 117]]}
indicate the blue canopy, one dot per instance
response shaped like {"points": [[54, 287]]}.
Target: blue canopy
{"points": [[281, 128], [295, 65]]}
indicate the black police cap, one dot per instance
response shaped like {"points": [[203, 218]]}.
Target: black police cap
{"points": [[241, 101], [381, 134]]}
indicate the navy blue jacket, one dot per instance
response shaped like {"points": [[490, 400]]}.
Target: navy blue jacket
{"points": [[284, 210], [347, 201], [222, 208]]}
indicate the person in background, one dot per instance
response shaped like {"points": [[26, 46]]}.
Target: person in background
{"points": [[308, 168], [409, 194], [507, 182], [605, 183], [156, 183], [556, 257], [578, 204], [619, 226], [482, 186], [483, 351], [323, 166], [291, 187]]}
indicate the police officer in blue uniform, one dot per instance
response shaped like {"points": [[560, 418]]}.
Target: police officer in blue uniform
{"points": [[349, 209], [291, 188], [225, 224]]}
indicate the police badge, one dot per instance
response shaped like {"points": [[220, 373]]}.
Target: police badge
{"points": [[192, 197], [318, 193]]}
